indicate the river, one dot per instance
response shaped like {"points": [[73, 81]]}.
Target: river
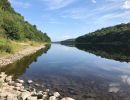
{"points": [[81, 72]]}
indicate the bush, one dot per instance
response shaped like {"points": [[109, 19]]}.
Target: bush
{"points": [[5, 46]]}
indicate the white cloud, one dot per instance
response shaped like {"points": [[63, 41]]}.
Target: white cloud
{"points": [[124, 15], [20, 3], [94, 1], [76, 13], [126, 4], [107, 12], [84, 13], [57, 4]]}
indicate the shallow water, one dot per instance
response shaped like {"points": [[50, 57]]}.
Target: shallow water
{"points": [[82, 72]]}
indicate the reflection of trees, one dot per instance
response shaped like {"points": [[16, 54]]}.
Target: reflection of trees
{"points": [[18, 68], [116, 52]]}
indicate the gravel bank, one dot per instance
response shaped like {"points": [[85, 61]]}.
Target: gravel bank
{"points": [[18, 55]]}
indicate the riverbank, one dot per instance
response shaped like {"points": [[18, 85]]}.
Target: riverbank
{"points": [[15, 90], [24, 51]]}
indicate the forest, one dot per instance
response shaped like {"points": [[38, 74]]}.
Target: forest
{"points": [[119, 34]]}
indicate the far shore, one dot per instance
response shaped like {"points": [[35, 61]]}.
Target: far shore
{"points": [[11, 58]]}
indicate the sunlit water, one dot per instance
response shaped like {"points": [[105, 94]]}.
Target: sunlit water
{"points": [[76, 73]]}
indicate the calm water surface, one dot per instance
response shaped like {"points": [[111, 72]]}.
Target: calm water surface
{"points": [[80, 72]]}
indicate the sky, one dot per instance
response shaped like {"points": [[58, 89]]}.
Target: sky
{"points": [[63, 19]]}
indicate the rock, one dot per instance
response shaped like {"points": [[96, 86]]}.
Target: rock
{"points": [[22, 87], [17, 88], [20, 81], [8, 79], [32, 98], [56, 94], [37, 85], [3, 75], [2, 80], [50, 94], [23, 90], [52, 98], [67, 98], [11, 90], [11, 97], [11, 83], [5, 84], [40, 92], [44, 96], [34, 93], [45, 93], [39, 95], [30, 81], [3, 95], [18, 84], [90, 99], [24, 95], [114, 89], [47, 90]]}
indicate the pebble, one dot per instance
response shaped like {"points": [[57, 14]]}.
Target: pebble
{"points": [[30, 81], [18, 84], [56, 94], [24, 95], [67, 98], [47, 90], [45, 96], [52, 98], [20, 81], [31, 98], [3, 95]]}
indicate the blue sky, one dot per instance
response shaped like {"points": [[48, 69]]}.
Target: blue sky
{"points": [[62, 19]]}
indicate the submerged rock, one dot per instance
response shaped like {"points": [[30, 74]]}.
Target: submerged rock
{"points": [[30, 81], [32, 98], [67, 98], [24, 95], [15, 90], [20, 81], [18, 84], [52, 98], [56, 94]]}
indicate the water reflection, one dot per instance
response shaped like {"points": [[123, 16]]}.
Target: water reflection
{"points": [[78, 74], [116, 52], [19, 67]]}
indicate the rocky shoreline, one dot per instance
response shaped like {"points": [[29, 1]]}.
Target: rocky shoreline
{"points": [[15, 90], [11, 58]]}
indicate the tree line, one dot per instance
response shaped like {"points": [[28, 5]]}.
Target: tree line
{"points": [[115, 34]]}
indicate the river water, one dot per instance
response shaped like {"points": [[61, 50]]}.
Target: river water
{"points": [[84, 72]]}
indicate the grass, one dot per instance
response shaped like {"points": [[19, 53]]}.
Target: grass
{"points": [[5, 46], [9, 46]]}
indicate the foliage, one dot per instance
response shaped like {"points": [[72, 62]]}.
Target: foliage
{"points": [[115, 34], [7, 46], [14, 27], [68, 41], [117, 52]]}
